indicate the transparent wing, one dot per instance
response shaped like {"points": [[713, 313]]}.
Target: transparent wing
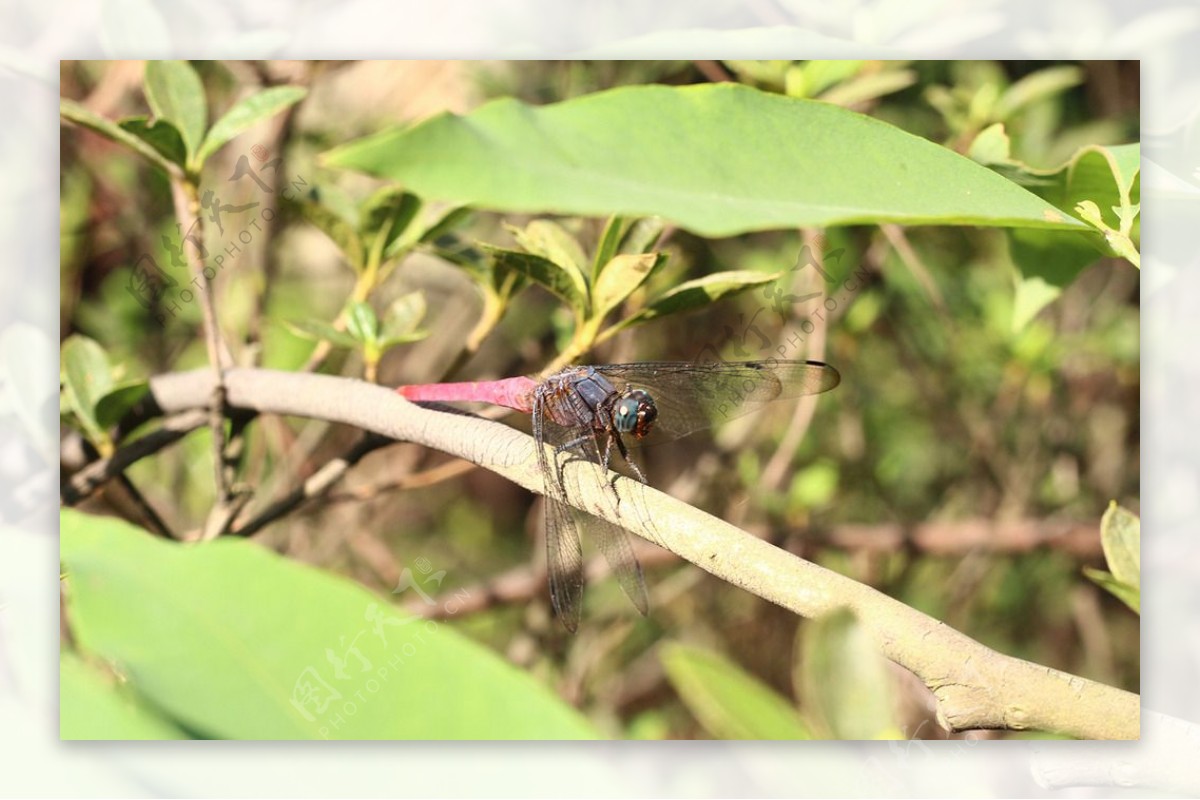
{"points": [[565, 523], [612, 540], [564, 556], [691, 396]]}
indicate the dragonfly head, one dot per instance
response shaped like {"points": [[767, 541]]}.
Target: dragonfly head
{"points": [[635, 412]]}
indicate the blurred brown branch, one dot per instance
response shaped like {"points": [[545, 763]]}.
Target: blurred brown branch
{"points": [[956, 537], [932, 538]]}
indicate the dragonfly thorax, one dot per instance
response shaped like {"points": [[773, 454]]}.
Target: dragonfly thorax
{"points": [[635, 412]]}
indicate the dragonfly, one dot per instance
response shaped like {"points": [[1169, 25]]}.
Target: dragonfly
{"points": [[594, 412]]}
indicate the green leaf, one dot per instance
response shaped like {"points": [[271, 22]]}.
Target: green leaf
{"points": [[813, 77], [361, 322], [766, 72], [161, 135], [1101, 178], [813, 486], [870, 86], [402, 318], [991, 146], [176, 95], [844, 681], [245, 113], [1046, 263], [389, 213], [642, 236], [621, 277], [610, 242], [1034, 87], [232, 641], [548, 239], [1129, 595], [1121, 538], [562, 281], [86, 377], [727, 702], [93, 704], [719, 159], [449, 221], [334, 225], [694, 294], [74, 112], [471, 259], [318, 331], [118, 401], [1105, 176]]}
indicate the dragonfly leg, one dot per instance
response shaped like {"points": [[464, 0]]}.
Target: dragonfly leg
{"points": [[625, 455], [571, 445], [607, 458]]}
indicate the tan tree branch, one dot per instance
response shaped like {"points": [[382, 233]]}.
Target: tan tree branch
{"points": [[976, 687]]}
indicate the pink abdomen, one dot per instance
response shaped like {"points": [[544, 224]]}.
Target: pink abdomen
{"points": [[515, 393]]}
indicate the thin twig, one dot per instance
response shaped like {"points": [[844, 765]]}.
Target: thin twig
{"points": [[956, 537], [776, 469], [713, 70], [520, 584], [975, 686], [417, 480], [951, 538], [157, 524], [87, 480], [184, 195], [318, 484], [899, 241], [280, 125], [143, 510]]}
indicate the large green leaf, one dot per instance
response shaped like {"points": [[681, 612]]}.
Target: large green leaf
{"points": [[176, 95], [232, 641], [93, 704], [729, 703], [718, 159]]}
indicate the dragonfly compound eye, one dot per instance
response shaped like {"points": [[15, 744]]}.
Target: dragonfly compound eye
{"points": [[635, 413]]}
